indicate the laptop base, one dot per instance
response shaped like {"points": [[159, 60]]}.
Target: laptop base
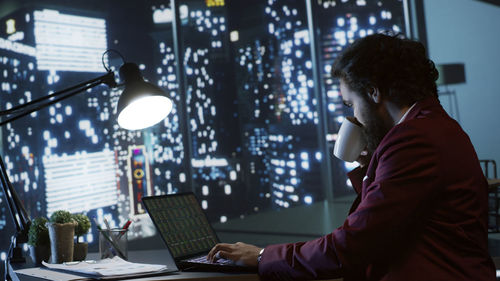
{"points": [[211, 267]]}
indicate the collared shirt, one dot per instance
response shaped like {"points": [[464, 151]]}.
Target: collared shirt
{"points": [[406, 113]]}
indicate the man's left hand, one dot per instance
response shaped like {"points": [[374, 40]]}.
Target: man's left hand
{"points": [[239, 252]]}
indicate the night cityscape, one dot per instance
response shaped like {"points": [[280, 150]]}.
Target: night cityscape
{"points": [[251, 130]]}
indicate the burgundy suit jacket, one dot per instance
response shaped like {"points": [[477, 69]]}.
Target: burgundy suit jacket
{"points": [[421, 212]]}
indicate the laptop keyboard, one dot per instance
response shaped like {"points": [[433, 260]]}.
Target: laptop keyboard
{"points": [[203, 259]]}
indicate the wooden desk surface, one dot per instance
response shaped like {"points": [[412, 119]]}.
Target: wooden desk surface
{"points": [[162, 257], [36, 274], [493, 183], [159, 257]]}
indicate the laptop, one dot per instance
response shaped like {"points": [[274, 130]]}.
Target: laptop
{"points": [[185, 229]]}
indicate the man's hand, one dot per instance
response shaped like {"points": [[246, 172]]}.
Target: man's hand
{"points": [[241, 253], [364, 158]]}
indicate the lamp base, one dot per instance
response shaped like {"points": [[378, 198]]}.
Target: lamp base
{"points": [[17, 256], [16, 251]]}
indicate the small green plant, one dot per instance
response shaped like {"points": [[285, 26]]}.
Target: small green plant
{"points": [[38, 233], [83, 225], [61, 217]]}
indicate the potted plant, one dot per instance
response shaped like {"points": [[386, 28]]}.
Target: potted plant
{"points": [[38, 239], [61, 232], [82, 227]]}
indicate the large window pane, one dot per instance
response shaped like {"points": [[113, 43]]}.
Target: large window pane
{"points": [[250, 115]]}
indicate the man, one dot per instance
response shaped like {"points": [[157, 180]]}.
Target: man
{"points": [[421, 211]]}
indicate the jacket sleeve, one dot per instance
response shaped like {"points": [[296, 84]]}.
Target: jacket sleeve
{"points": [[405, 180]]}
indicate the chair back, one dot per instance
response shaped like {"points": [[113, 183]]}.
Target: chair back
{"points": [[489, 168]]}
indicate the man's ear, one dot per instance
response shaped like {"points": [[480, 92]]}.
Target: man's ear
{"points": [[374, 94]]}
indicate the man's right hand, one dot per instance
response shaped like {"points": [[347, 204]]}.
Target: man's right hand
{"points": [[364, 158], [239, 252]]}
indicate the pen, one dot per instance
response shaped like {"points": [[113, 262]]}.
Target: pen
{"points": [[124, 228], [127, 224], [113, 237], [106, 252], [107, 224]]}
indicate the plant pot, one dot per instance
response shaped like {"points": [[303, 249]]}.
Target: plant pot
{"points": [[80, 251], [39, 253], [61, 241]]}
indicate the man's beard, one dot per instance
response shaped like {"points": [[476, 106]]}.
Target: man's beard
{"points": [[374, 130]]}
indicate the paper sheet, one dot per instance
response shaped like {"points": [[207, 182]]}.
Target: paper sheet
{"points": [[49, 274], [108, 267]]}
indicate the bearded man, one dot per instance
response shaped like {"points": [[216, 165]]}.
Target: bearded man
{"points": [[421, 210]]}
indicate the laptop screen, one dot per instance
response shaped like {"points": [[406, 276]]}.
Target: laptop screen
{"points": [[182, 224]]}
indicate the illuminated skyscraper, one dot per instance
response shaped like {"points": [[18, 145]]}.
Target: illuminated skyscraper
{"points": [[18, 75], [211, 110], [279, 110]]}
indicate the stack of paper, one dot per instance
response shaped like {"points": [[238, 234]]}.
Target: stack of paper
{"points": [[114, 267]]}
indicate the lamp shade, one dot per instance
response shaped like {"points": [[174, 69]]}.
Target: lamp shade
{"points": [[141, 104]]}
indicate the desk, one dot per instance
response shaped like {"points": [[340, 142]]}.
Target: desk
{"points": [[159, 257], [187, 276], [492, 183], [163, 257], [156, 256]]}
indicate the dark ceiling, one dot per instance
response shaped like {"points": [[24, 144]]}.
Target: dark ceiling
{"points": [[494, 2]]}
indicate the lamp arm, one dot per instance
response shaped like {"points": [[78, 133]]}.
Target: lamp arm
{"points": [[17, 210], [108, 79], [16, 207], [20, 217], [56, 100]]}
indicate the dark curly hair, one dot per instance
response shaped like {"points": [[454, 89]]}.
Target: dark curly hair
{"points": [[398, 67]]}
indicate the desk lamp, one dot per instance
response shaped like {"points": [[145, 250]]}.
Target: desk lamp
{"points": [[140, 105]]}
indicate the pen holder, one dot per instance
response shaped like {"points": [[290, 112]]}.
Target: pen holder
{"points": [[113, 242]]}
